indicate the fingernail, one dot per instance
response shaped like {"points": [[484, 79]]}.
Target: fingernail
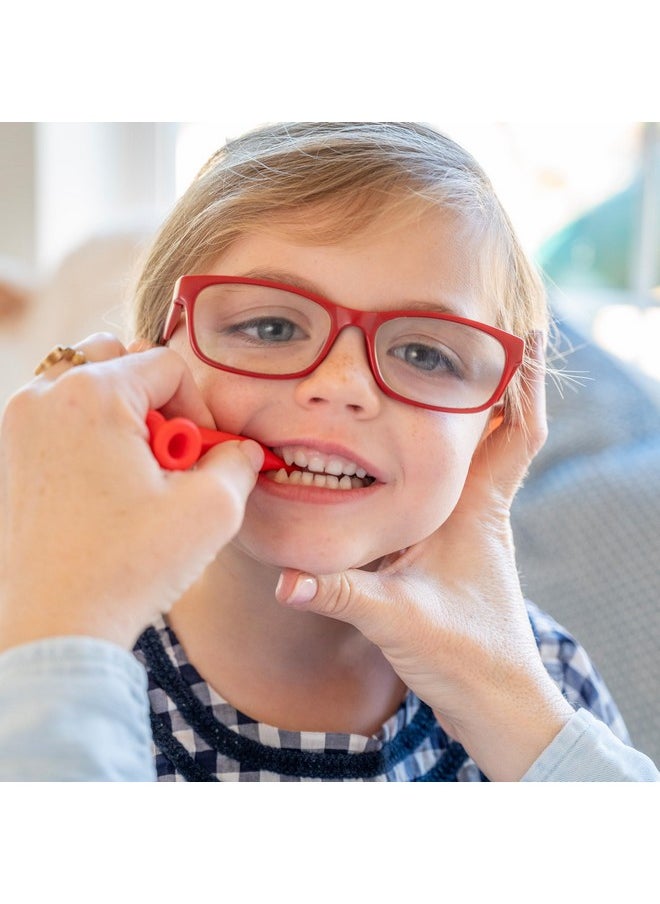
{"points": [[254, 452], [302, 591]]}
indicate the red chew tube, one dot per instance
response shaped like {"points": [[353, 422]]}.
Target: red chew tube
{"points": [[178, 443]]}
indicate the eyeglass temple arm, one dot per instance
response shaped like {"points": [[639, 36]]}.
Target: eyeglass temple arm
{"points": [[178, 443]]}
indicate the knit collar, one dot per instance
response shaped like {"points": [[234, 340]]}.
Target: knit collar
{"points": [[399, 737]]}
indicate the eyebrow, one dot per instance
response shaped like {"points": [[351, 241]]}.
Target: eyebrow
{"points": [[297, 282], [282, 276]]}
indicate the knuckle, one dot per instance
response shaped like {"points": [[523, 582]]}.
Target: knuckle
{"points": [[339, 601], [88, 393], [18, 408], [104, 343], [75, 385]]}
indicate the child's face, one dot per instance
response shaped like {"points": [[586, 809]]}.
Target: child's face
{"points": [[419, 457]]}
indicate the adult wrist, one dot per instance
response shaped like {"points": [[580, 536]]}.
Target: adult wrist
{"points": [[23, 628], [507, 730]]}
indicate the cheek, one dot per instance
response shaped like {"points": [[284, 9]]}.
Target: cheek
{"points": [[435, 481], [231, 399], [228, 396]]}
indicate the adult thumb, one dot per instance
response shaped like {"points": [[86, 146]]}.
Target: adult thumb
{"points": [[348, 596], [216, 490]]}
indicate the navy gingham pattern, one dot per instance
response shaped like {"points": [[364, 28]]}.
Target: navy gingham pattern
{"points": [[198, 736]]}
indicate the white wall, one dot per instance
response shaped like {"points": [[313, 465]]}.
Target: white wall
{"points": [[93, 178]]}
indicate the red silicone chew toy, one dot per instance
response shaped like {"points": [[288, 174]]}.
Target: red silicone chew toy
{"points": [[178, 443]]}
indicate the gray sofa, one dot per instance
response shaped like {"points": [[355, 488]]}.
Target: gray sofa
{"points": [[587, 529]]}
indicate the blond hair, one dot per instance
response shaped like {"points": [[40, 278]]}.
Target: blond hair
{"points": [[350, 171]]}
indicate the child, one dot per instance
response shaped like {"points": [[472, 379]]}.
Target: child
{"points": [[353, 298]]}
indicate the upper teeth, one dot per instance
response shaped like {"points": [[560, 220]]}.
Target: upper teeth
{"points": [[319, 462]]}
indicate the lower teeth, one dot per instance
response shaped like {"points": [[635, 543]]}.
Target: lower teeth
{"points": [[325, 481]]}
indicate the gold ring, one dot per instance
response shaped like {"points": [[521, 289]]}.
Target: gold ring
{"points": [[61, 353]]}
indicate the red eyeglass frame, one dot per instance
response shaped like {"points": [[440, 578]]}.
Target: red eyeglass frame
{"points": [[187, 288]]}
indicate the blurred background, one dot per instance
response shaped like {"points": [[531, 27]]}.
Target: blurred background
{"points": [[81, 200]]}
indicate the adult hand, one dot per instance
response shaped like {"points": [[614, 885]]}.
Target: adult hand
{"points": [[95, 538], [449, 614]]}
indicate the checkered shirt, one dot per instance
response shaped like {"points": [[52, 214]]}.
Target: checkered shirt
{"points": [[198, 736]]}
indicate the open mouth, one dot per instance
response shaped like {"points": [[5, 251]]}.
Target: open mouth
{"points": [[316, 469]]}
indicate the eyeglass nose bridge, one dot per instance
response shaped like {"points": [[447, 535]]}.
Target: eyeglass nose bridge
{"points": [[342, 318]]}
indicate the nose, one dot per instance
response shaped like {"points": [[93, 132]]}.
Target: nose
{"points": [[343, 380]]}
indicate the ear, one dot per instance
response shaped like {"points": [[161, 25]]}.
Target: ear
{"points": [[496, 420]]}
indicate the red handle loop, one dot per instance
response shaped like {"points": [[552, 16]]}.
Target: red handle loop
{"points": [[176, 444]]}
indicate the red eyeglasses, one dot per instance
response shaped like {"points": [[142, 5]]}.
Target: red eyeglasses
{"points": [[270, 330]]}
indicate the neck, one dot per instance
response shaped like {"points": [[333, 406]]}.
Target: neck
{"points": [[296, 670]]}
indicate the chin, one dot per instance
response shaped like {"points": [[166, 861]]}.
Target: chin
{"points": [[287, 555]]}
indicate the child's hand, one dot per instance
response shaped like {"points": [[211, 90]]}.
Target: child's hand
{"points": [[449, 614], [94, 537]]}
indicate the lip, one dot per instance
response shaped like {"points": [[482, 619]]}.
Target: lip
{"points": [[331, 448]]}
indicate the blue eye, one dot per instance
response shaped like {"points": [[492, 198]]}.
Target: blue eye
{"points": [[267, 329], [425, 358]]}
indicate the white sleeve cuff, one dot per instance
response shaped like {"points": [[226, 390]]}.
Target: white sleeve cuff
{"points": [[585, 750], [73, 709]]}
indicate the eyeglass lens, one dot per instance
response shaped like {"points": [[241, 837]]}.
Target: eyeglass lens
{"points": [[265, 330]]}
